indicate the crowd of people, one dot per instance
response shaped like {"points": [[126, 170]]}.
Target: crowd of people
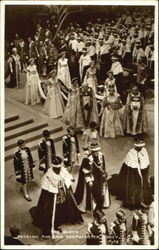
{"points": [[86, 75]]}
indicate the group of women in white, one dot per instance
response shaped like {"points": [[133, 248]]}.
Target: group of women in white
{"points": [[135, 119]]}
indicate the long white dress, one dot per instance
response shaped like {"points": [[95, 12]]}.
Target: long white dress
{"points": [[54, 105], [34, 91], [91, 79], [110, 123], [63, 73]]}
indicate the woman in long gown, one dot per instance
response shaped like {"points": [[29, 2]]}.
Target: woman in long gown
{"points": [[85, 109], [135, 116], [68, 115], [110, 81], [91, 77], [34, 92], [54, 104], [110, 124], [63, 72]]}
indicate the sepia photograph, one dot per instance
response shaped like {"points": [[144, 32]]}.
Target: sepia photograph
{"points": [[79, 124]]}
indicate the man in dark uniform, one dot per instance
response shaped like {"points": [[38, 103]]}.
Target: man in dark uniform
{"points": [[46, 150], [70, 149], [97, 231], [23, 165]]}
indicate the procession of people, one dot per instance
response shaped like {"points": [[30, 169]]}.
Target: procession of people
{"points": [[84, 70]]}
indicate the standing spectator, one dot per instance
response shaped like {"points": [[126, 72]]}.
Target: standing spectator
{"points": [[32, 49], [73, 66], [63, 46], [34, 92], [80, 46], [15, 68], [50, 61], [23, 165], [91, 49], [102, 52], [73, 44], [42, 57], [135, 117], [22, 53], [152, 62], [138, 51], [46, 151], [16, 42], [40, 31]]}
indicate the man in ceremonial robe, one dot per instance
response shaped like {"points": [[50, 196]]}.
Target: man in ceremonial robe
{"points": [[92, 189], [133, 184], [56, 205]]}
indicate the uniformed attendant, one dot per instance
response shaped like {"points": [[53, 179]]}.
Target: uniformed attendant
{"points": [[46, 151], [23, 165], [70, 149], [118, 229], [97, 231], [141, 230]]}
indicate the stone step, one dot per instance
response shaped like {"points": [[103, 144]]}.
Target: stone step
{"points": [[11, 118], [56, 134], [30, 137], [24, 130], [18, 123]]}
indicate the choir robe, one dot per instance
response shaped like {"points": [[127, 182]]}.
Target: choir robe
{"points": [[56, 205], [69, 150], [133, 185], [97, 234], [93, 169], [20, 166], [46, 150]]}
